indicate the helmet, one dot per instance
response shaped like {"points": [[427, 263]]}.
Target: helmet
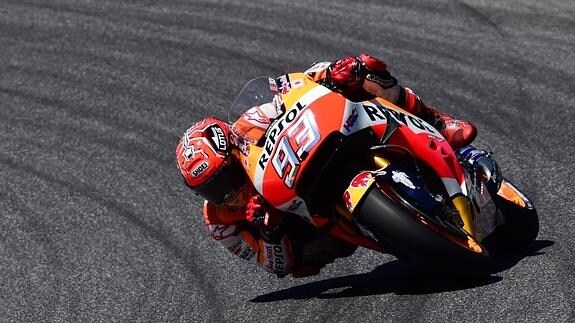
{"points": [[206, 162]]}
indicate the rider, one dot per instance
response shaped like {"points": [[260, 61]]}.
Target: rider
{"points": [[238, 217]]}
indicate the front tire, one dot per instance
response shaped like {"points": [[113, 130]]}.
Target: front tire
{"points": [[412, 239]]}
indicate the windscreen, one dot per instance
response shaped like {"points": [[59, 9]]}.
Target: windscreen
{"points": [[256, 92]]}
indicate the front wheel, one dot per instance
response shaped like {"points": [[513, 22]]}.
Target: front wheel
{"points": [[411, 238]]}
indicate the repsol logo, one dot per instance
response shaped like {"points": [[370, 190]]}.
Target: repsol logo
{"points": [[377, 113], [200, 169], [274, 131]]}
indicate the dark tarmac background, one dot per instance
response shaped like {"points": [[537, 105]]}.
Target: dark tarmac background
{"points": [[96, 226]]}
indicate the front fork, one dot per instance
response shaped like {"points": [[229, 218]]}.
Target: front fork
{"points": [[484, 183]]}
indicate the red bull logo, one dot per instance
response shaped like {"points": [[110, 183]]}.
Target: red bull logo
{"points": [[362, 179], [357, 189], [347, 200]]}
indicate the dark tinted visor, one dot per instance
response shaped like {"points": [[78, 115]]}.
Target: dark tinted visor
{"points": [[224, 184]]}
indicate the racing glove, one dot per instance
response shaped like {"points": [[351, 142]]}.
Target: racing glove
{"points": [[257, 215], [350, 72]]}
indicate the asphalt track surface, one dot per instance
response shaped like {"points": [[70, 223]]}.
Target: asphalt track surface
{"points": [[96, 226]]}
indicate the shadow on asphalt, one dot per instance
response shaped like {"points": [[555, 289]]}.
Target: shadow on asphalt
{"points": [[398, 278]]}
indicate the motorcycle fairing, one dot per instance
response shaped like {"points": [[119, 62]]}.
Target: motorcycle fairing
{"points": [[294, 137]]}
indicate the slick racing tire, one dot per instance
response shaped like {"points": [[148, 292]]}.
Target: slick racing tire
{"points": [[412, 239]]}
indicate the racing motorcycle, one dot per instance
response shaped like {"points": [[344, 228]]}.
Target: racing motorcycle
{"points": [[376, 176]]}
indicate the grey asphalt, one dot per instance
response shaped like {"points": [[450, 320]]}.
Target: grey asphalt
{"points": [[96, 225]]}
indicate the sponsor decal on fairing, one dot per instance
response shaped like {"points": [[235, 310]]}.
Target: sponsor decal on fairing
{"points": [[362, 179], [275, 130], [357, 188], [279, 126], [351, 119], [347, 200], [401, 177], [376, 114], [354, 118], [292, 148], [284, 84], [273, 85]]}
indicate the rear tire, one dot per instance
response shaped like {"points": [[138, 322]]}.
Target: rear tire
{"points": [[401, 231]]}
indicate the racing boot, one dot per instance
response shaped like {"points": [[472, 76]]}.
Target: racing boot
{"points": [[458, 133]]}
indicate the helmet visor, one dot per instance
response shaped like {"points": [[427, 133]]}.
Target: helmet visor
{"points": [[224, 184]]}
